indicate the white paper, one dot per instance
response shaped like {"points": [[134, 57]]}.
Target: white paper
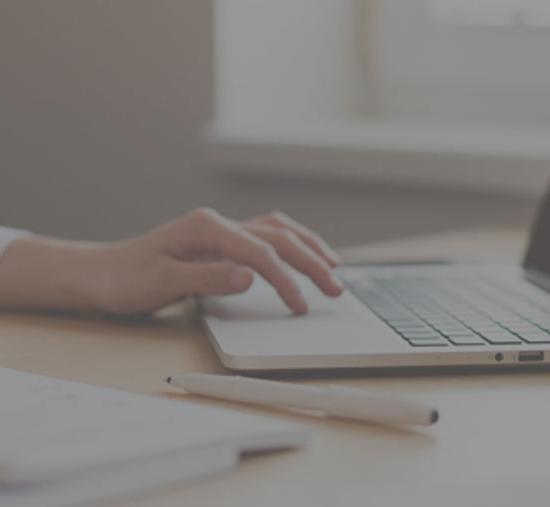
{"points": [[124, 482], [71, 442]]}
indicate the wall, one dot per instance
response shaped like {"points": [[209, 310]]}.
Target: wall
{"points": [[101, 105], [305, 68]]}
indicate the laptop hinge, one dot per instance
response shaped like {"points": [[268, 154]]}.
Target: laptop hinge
{"points": [[538, 278]]}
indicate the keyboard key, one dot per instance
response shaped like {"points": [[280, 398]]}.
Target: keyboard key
{"points": [[404, 324], [486, 326], [501, 338], [428, 343], [445, 325], [412, 327], [525, 329], [416, 332], [472, 339], [421, 335], [409, 321], [453, 330], [391, 314], [536, 338]]}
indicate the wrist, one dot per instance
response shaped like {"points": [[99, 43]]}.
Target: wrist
{"points": [[37, 272]]}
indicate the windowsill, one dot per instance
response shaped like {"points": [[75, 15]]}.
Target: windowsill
{"points": [[499, 159]]}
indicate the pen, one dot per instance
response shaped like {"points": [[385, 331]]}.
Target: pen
{"points": [[332, 400]]}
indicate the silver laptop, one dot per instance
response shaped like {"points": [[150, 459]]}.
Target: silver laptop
{"points": [[397, 316]]}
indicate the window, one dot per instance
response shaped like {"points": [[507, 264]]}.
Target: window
{"points": [[460, 60], [431, 91], [491, 12]]}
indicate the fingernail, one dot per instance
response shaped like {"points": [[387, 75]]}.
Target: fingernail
{"points": [[302, 306], [334, 257], [240, 279], [336, 281]]}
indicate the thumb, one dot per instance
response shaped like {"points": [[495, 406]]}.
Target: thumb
{"points": [[214, 278]]}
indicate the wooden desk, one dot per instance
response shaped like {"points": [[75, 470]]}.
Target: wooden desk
{"points": [[493, 427]]}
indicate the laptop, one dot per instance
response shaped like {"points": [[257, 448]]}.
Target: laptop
{"points": [[432, 315]]}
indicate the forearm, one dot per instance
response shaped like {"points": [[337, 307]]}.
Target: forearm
{"points": [[41, 273], [201, 253]]}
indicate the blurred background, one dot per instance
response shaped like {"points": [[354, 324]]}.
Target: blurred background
{"points": [[365, 119]]}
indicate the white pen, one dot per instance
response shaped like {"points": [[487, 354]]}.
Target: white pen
{"points": [[332, 400]]}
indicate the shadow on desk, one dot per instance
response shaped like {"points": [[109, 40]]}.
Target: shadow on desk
{"points": [[400, 373]]}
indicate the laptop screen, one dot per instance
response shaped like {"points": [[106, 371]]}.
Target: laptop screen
{"points": [[538, 252]]}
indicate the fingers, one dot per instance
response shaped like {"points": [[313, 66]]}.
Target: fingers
{"points": [[300, 256], [310, 238], [217, 234], [211, 278]]}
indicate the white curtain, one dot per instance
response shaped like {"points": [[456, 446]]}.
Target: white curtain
{"points": [[491, 12]]}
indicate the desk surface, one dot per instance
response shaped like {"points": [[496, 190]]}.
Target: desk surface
{"points": [[490, 430]]}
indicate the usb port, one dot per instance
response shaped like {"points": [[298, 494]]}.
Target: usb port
{"points": [[529, 356]]}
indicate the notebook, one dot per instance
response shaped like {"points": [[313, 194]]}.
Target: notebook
{"points": [[65, 444]]}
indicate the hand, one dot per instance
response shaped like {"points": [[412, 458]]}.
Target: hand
{"points": [[206, 253]]}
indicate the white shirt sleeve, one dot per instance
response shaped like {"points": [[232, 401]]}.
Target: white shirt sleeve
{"points": [[7, 236]]}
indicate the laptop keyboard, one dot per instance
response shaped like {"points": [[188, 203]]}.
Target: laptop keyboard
{"points": [[436, 312]]}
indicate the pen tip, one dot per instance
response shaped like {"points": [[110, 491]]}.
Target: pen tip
{"points": [[434, 416], [169, 380]]}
